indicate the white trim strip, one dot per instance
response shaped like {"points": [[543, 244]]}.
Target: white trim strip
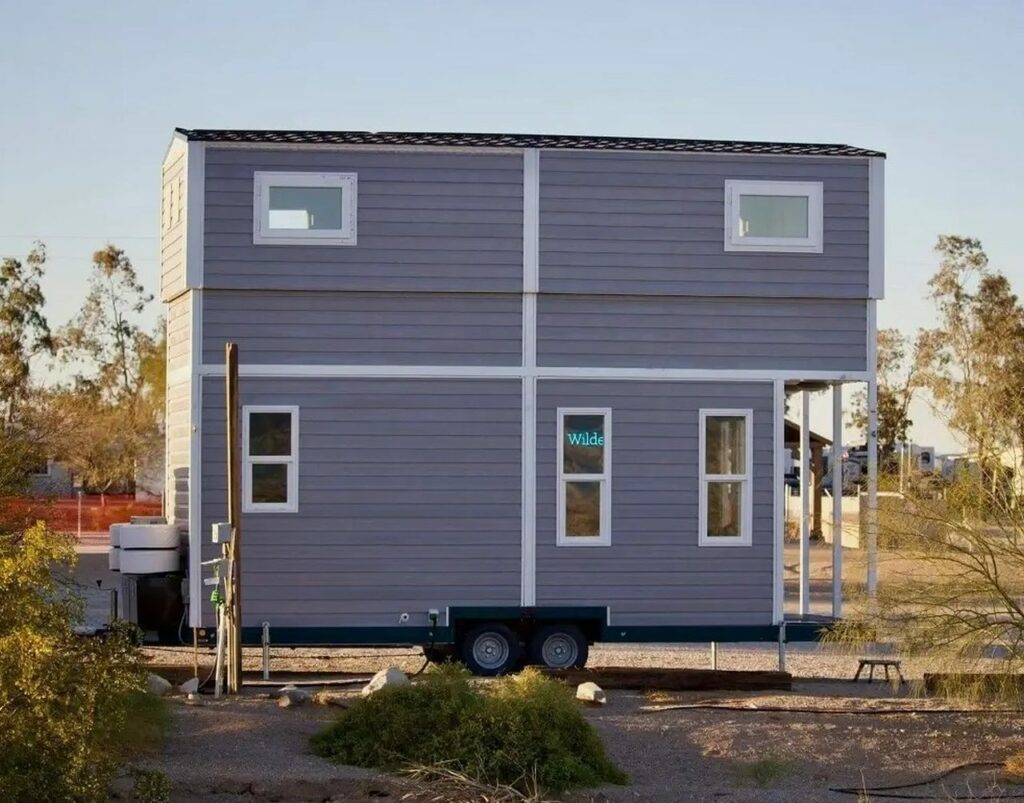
{"points": [[531, 261], [195, 213], [876, 227], [806, 489], [837, 500], [195, 465], [528, 593], [778, 501], [540, 372]]}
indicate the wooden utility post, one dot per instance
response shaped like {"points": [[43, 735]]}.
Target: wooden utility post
{"points": [[234, 595]]}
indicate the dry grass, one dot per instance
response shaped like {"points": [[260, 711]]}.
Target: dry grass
{"points": [[457, 787], [1015, 767], [766, 771]]}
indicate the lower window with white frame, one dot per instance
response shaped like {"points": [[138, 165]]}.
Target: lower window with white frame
{"points": [[584, 476], [726, 472], [270, 458]]}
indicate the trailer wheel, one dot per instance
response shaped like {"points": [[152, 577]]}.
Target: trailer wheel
{"points": [[559, 647], [491, 649]]}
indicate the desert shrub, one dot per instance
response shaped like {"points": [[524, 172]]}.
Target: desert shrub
{"points": [[516, 731], [65, 700], [765, 771]]}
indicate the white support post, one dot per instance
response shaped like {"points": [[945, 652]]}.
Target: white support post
{"points": [[805, 503], [714, 656], [837, 500], [872, 511]]}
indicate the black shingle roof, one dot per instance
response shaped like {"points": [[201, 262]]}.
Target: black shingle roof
{"points": [[556, 141]]}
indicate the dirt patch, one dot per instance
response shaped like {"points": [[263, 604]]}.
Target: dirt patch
{"points": [[249, 749]]}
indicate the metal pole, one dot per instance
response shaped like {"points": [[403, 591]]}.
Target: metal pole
{"points": [[837, 500], [266, 650], [79, 515], [872, 518], [782, 647], [714, 655], [805, 502], [234, 517]]}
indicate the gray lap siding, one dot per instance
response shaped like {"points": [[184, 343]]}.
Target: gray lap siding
{"points": [[426, 222], [713, 333], [364, 328], [653, 224], [409, 499], [654, 573]]}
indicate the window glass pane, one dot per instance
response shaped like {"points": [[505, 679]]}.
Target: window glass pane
{"points": [[583, 446], [305, 207], [773, 216], [270, 434], [725, 506], [725, 444], [583, 509], [269, 482]]}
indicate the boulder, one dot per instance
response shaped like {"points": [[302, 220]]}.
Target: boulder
{"points": [[392, 676], [157, 685], [291, 696], [189, 686], [591, 693]]}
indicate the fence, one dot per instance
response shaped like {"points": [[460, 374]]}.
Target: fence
{"points": [[97, 511]]}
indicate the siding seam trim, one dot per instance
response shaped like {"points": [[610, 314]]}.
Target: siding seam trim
{"points": [[528, 450]]}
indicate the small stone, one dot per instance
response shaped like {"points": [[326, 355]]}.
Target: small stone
{"points": [[194, 698], [591, 693], [157, 685], [290, 696], [189, 686], [392, 676]]}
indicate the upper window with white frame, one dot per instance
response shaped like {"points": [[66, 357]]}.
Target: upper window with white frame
{"points": [[270, 448], [774, 216], [726, 468], [304, 208], [584, 477]]}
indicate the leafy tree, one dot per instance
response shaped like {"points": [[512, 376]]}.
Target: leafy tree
{"points": [[24, 331], [898, 380], [972, 363], [106, 331], [110, 420], [65, 700]]}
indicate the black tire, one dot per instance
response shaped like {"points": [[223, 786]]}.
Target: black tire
{"points": [[491, 649], [559, 647]]}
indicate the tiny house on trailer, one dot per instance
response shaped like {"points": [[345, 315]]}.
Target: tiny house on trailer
{"points": [[506, 395]]}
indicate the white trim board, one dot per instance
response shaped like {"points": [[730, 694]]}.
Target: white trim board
{"points": [[876, 228], [531, 262], [195, 213], [778, 501], [195, 465], [300, 371]]}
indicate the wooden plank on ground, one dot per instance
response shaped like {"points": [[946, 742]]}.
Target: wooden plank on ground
{"points": [[622, 677]]}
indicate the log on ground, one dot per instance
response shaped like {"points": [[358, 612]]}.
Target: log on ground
{"points": [[621, 677]]}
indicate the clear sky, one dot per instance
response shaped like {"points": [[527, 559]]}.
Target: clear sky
{"points": [[89, 94]]}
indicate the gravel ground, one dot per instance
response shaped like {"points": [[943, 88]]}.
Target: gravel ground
{"points": [[249, 749]]}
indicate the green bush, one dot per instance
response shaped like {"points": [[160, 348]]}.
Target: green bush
{"points": [[65, 701], [516, 731]]}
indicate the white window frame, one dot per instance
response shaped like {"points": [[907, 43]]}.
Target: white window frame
{"points": [[262, 234], [605, 478], [745, 538], [813, 191], [292, 461]]}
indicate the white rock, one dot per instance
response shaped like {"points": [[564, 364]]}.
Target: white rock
{"points": [[189, 686], [591, 693], [157, 685], [292, 695], [392, 676]]}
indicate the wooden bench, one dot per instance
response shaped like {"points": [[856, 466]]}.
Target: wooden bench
{"points": [[885, 663]]}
